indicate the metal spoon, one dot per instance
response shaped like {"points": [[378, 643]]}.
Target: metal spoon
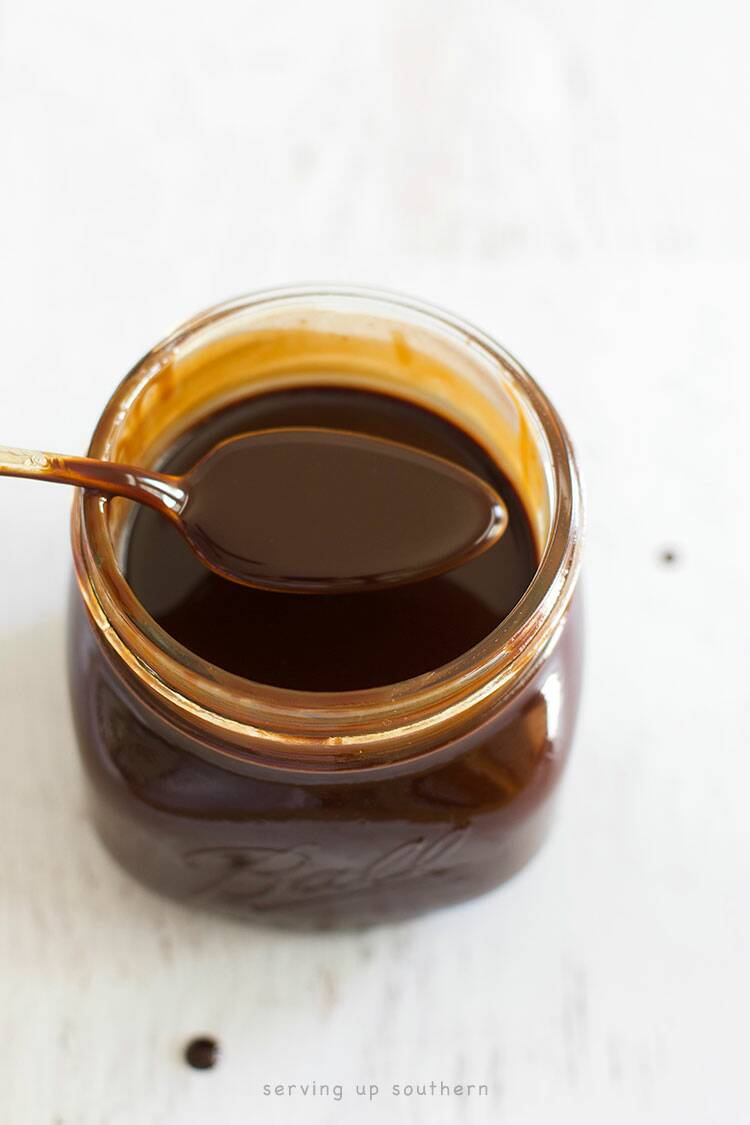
{"points": [[305, 510]]}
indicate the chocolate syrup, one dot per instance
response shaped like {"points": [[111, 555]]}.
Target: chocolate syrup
{"points": [[330, 642], [316, 511]]}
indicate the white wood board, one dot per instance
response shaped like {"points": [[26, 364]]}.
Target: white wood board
{"points": [[575, 180]]}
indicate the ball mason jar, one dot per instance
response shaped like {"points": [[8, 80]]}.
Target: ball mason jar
{"points": [[318, 809]]}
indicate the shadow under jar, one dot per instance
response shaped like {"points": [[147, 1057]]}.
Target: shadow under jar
{"points": [[333, 764]]}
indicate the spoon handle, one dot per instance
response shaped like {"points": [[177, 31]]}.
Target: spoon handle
{"points": [[165, 493]]}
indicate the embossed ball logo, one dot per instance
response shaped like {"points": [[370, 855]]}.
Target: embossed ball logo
{"points": [[273, 878]]}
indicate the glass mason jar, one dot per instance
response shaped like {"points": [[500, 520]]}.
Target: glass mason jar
{"points": [[332, 808]]}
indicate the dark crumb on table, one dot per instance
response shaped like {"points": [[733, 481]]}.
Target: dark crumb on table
{"points": [[202, 1053], [668, 556]]}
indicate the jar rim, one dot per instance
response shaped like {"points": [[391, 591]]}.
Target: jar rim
{"points": [[329, 727]]}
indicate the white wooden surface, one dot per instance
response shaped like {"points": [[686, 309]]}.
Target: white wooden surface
{"points": [[574, 178]]}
